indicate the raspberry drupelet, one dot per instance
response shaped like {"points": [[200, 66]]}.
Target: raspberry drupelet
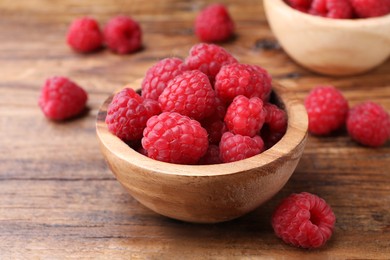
{"points": [[304, 220], [171, 137], [61, 98]]}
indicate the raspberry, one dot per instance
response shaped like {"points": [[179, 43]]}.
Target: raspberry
{"points": [[238, 147], [215, 128], [245, 116], [242, 79], [327, 110], [369, 124], [84, 35], [302, 5], [275, 124], [158, 76], [211, 156], [304, 220], [123, 35], [126, 115], [336, 9], [371, 8], [214, 24], [152, 106], [61, 98], [208, 58], [189, 94], [171, 137]]}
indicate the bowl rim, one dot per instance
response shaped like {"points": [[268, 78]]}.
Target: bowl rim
{"points": [[324, 21], [296, 134]]}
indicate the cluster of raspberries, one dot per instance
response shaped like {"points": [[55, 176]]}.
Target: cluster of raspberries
{"points": [[121, 34], [367, 123], [342, 9], [206, 109]]}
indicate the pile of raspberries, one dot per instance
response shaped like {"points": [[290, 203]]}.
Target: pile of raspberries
{"points": [[207, 109], [342, 9]]}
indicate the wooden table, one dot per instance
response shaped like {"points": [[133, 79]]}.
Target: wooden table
{"points": [[59, 200]]}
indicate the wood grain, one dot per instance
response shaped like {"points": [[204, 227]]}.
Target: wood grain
{"points": [[59, 200]]}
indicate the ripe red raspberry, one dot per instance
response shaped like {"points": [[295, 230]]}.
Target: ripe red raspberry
{"points": [[152, 106], [171, 137], [370, 8], [304, 220], [211, 156], [126, 115], [242, 79], [158, 76], [369, 124], [61, 98], [215, 128], [275, 124], [214, 24], [327, 110], [301, 5], [245, 116], [189, 94], [84, 35], [336, 9], [208, 58], [238, 147], [123, 35]]}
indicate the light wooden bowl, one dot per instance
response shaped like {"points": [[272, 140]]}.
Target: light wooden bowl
{"points": [[330, 46], [207, 193]]}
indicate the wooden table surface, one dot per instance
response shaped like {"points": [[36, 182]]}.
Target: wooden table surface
{"points": [[58, 199]]}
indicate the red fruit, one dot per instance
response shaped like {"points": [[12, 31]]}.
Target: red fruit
{"points": [[302, 5], [189, 94], [123, 35], [208, 58], [158, 76], [336, 9], [242, 79], [126, 115], [214, 24], [370, 8], [152, 107], [215, 128], [275, 124], [84, 35], [211, 156], [304, 220], [327, 110], [245, 116], [61, 98], [369, 124], [238, 147], [171, 137]]}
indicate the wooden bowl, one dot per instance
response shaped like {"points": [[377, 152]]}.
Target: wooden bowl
{"points": [[330, 46], [207, 193]]}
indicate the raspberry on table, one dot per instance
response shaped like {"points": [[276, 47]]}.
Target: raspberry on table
{"points": [[245, 116], [370, 8], [368, 123], [158, 76], [123, 35], [171, 137], [61, 98], [327, 110], [208, 58], [238, 147], [304, 220], [84, 35], [242, 79], [214, 24], [211, 156], [126, 115], [336, 9], [190, 94]]}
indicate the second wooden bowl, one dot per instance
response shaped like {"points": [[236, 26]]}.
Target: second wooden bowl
{"points": [[208, 193]]}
